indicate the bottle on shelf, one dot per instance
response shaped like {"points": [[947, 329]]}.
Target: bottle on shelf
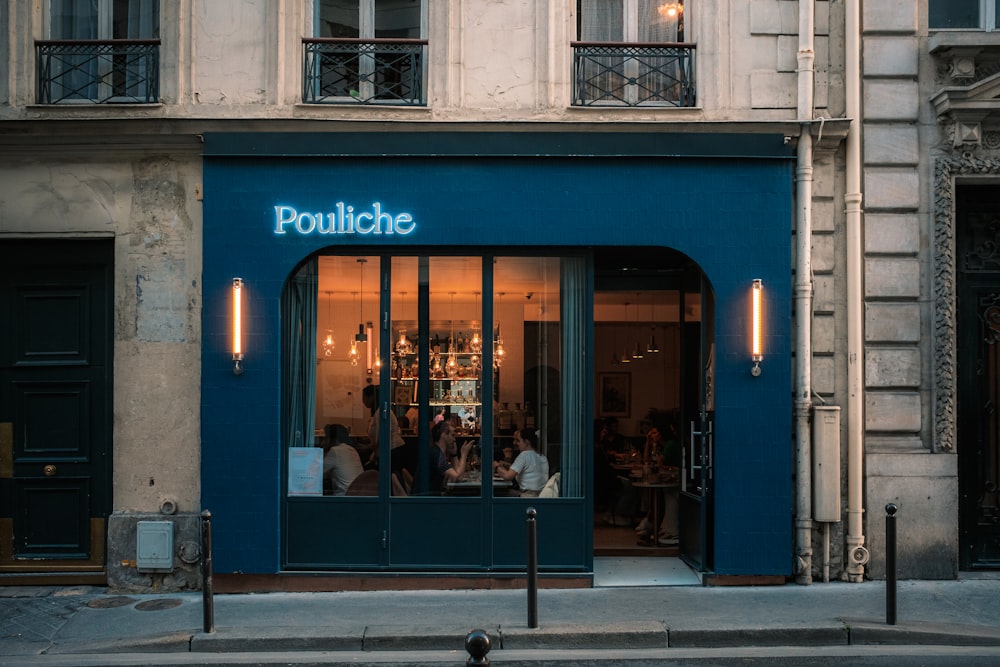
{"points": [[529, 416]]}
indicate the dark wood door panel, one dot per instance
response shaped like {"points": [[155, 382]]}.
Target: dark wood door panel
{"points": [[53, 420], [51, 520], [52, 324]]}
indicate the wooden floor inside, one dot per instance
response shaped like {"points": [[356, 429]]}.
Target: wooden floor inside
{"points": [[624, 541]]}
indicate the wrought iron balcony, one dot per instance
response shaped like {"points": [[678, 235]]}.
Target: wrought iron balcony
{"points": [[98, 71], [633, 74], [363, 71]]}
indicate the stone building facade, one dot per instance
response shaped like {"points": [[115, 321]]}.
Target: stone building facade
{"points": [[883, 115]]}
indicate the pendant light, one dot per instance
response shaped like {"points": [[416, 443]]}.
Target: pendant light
{"points": [[403, 346], [652, 347], [626, 357], [452, 365], [476, 345], [498, 351], [361, 336], [328, 343], [352, 354], [637, 352]]}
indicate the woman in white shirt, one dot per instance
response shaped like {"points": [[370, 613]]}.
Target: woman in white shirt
{"points": [[530, 469]]}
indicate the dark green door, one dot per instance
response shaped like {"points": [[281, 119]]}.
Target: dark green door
{"points": [[55, 404]]}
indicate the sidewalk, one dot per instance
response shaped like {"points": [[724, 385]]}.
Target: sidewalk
{"points": [[78, 626]]}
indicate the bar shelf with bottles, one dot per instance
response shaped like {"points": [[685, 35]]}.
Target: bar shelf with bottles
{"points": [[455, 376]]}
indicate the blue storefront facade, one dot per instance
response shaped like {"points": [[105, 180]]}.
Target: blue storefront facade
{"points": [[274, 201]]}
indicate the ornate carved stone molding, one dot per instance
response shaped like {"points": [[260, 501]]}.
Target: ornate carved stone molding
{"points": [[946, 170]]}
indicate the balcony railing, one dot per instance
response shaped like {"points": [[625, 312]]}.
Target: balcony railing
{"points": [[363, 71], [98, 71], [633, 74]]}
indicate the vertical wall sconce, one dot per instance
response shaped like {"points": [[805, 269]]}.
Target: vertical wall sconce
{"points": [[237, 326], [756, 342]]}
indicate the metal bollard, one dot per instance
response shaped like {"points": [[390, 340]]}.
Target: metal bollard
{"points": [[207, 601], [532, 569], [477, 645], [890, 564]]}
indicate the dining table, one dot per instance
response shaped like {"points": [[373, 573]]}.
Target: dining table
{"points": [[471, 482], [651, 485]]}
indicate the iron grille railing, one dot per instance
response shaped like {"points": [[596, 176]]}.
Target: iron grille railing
{"points": [[98, 71], [363, 71], [633, 74]]}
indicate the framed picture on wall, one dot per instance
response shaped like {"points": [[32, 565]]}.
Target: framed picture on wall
{"points": [[615, 392]]}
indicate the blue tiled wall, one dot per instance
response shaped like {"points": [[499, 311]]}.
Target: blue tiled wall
{"points": [[733, 216]]}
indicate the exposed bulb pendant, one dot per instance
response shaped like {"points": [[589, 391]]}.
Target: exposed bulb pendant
{"points": [[352, 354], [476, 344], [498, 351], [328, 343], [452, 365], [403, 346]]}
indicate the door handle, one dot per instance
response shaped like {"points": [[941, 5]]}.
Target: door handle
{"points": [[49, 470]]}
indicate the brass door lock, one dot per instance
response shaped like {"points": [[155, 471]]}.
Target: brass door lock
{"points": [[49, 470]]}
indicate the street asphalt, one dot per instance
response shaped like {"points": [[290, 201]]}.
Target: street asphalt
{"points": [[622, 626]]}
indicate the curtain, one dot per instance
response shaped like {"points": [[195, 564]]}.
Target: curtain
{"points": [[575, 393], [141, 19], [602, 21], [298, 324]]}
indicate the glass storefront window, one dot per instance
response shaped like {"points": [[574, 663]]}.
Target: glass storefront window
{"points": [[475, 390]]}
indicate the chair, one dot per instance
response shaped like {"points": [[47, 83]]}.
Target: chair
{"points": [[551, 488], [365, 484], [397, 487]]}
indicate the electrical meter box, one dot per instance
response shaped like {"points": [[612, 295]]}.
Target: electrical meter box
{"points": [[154, 546], [826, 463]]}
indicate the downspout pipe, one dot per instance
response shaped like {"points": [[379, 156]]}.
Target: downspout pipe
{"points": [[804, 295], [857, 554]]}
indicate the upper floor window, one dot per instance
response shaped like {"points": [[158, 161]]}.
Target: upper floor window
{"points": [[100, 51], [963, 14], [366, 52], [631, 53]]}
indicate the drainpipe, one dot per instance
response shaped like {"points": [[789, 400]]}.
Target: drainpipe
{"points": [[803, 297], [857, 553]]}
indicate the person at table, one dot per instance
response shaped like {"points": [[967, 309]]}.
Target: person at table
{"points": [[530, 469], [448, 462], [664, 453], [610, 442], [370, 398], [341, 461]]}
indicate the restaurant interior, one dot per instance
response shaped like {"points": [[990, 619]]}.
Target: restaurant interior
{"points": [[643, 312]]}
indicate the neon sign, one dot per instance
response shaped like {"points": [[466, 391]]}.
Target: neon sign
{"points": [[344, 219]]}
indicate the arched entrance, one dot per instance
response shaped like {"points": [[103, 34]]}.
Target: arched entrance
{"points": [[653, 336]]}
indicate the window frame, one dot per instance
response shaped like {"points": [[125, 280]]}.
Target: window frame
{"points": [[987, 17]]}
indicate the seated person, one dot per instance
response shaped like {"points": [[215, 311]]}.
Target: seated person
{"points": [[530, 469], [341, 461], [447, 462]]}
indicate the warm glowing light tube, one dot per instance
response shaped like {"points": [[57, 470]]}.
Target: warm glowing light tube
{"points": [[237, 325], [756, 342]]}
